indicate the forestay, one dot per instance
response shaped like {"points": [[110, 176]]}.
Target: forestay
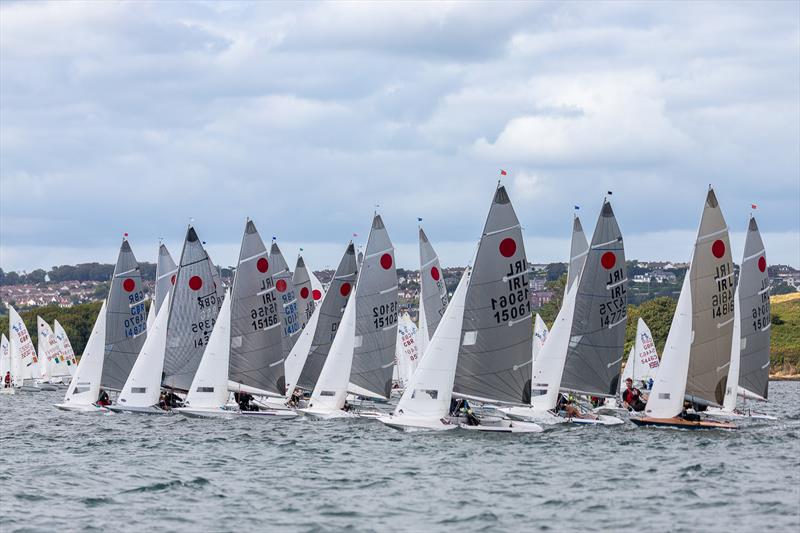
{"points": [[754, 325], [376, 315], [330, 314], [192, 312], [495, 357], [256, 358], [287, 299], [597, 338], [126, 323]]}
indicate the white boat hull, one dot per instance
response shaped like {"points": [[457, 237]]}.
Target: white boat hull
{"points": [[326, 415], [410, 424], [81, 408], [29, 388], [528, 414], [7, 390], [210, 412], [152, 410], [505, 426], [283, 414], [734, 415]]}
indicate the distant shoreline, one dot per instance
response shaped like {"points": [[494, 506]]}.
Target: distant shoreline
{"points": [[784, 377]]}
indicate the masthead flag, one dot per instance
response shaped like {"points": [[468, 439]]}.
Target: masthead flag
{"points": [[753, 206], [503, 172]]}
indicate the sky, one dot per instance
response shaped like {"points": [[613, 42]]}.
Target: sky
{"points": [[135, 117]]}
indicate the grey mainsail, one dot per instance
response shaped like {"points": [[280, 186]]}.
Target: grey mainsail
{"points": [[711, 279], [194, 306], [166, 271], [577, 253], [433, 292], [256, 357], [303, 292], [753, 294], [494, 360], [330, 314], [287, 298], [126, 320], [376, 315], [597, 337]]}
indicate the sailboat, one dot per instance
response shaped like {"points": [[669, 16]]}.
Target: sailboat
{"points": [[697, 354], [23, 355], [66, 349], [406, 349], [749, 368], [287, 299], [362, 353], [305, 361], [257, 357], [306, 303], [126, 321], [5, 364], [52, 365], [581, 353], [482, 348], [84, 388], [642, 363], [433, 291], [166, 271], [192, 311]]}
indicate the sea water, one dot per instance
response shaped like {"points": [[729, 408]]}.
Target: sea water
{"points": [[69, 471]]}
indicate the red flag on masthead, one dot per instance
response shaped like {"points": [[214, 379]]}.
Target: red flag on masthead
{"points": [[753, 206], [503, 172]]}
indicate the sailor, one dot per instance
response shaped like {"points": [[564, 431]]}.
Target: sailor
{"points": [[297, 395], [567, 404], [7, 380], [631, 397], [103, 399]]}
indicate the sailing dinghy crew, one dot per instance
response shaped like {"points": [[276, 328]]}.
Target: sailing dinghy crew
{"points": [[632, 397], [7, 380], [103, 399]]}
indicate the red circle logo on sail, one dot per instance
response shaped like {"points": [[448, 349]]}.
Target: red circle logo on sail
{"points": [[762, 264], [318, 294], [386, 261], [280, 285], [172, 279], [129, 285], [344, 290], [195, 283], [608, 260], [435, 273], [718, 248], [304, 293], [262, 265], [508, 247]]}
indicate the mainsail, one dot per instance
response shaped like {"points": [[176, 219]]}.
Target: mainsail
{"points": [[22, 352], [126, 323], [433, 292], [192, 312], [5, 357], [66, 347], [287, 299], [494, 361], [406, 352], [330, 314], [302, 290], [642, 363], [579, 248], [754, 315], [166, 273], [597, 338], [53, 362], [540, 333], [256, 358], [376, 315], [712, 288]]}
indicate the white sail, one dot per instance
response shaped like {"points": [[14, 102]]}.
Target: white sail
{"points": [[84, 388], [424, 337], [732, 387], [5, 359], [540, 333], [627, 372], [143, 386], [306, 303], [331, 389], [166, 273], [549, 365], [406, 351], [22, 348], [644, 364], [210, 384], [428, 394], [51, 359], [66, 347]]}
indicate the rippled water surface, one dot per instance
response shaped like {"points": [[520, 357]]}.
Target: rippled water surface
{"points": [[134, 473]]}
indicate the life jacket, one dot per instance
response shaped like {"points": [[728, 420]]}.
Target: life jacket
{"points": [[630, 395]]}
